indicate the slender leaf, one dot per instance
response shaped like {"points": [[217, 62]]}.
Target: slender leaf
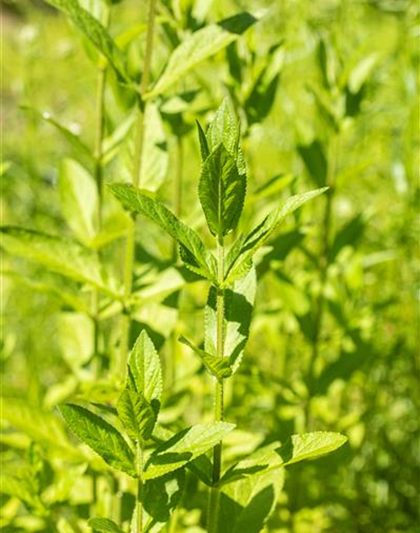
{"points": [[222, 191], [95, 32], [79, 199], [238, 261], [184, 447], [100, 436], [315, 161], [64, 256], [199, 46], [74, 139], [217, 366], [146, 371], [193, 250]]}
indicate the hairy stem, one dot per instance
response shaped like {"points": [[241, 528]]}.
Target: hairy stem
{"points": [[136, 179], [214, 501], [323, 270]]}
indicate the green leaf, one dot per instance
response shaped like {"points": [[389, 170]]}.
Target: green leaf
{"points": [[239, 304], [136, 413], [199, 46], [52, 284], [223, 129], [79, 199], [217, 366], [237, 262], [204, 147], [184, 447], [160, 499], [315, 161], [100, 436], [258, 463], [64, 256], [246, 504], [74, 139], [361, 72], [95, 32], [310, 446], [221, 191], [192, 247], [104, 525], [144, 365], [155, 151], [41, 426]]}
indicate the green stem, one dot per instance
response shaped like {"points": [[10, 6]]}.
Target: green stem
{"points": [[136, 179], [324, 264], [178, 186], [139, 499], [98, 173], [214, 500]]}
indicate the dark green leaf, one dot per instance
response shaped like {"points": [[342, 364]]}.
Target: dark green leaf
{"points": [[222, 191], [100, 436], [136, 413], [135, 201], [313, 156]]}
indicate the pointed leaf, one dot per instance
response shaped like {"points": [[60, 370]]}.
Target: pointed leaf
{"points": [[310, 446], [146, 371], [315, 160], [134, 200], [239, 303], [136, 414], [79, 199], [258, 236], [221, 191], [217, 366], [95, 32], [223, 129], [100, 436], [64, 256], [104, 525], [199, 46], [185, 446], [74, 139], [247, 504], [160, 499]]}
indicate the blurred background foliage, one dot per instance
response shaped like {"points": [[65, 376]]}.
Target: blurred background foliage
{"points": [[304, 68]]}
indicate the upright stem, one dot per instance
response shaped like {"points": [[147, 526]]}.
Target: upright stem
{"points": [[178, 184], [214, 501], [136, 179], [323, 266], [98, 172], [139, 498]]}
